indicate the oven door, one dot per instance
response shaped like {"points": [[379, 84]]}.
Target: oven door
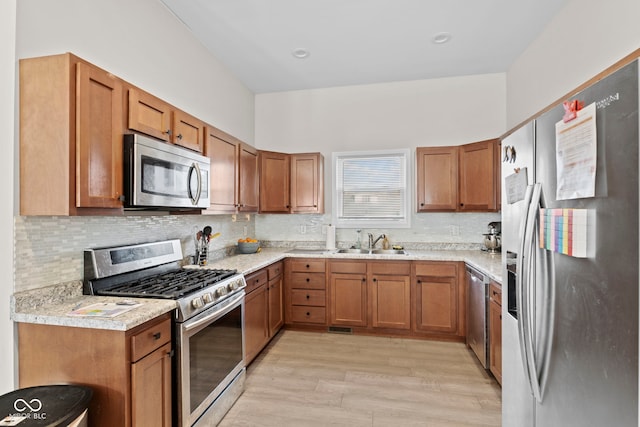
{"points": [[162, 175], [210, 351]]}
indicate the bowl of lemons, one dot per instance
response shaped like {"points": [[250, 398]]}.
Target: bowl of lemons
{"points": [[248, 246]]}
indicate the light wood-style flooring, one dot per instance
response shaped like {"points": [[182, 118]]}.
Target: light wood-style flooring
{"points": [[327, 379]]}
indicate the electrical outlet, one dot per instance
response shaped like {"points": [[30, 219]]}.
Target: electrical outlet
{"points": [[303, 229], [455, 230]]}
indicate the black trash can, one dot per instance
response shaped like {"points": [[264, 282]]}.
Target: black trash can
{"points": [[51, 406]]}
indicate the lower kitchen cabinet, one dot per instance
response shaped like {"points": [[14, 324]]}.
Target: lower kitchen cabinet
{"points": [[256, 320], [390, 296], [495, 330], [348, 293], [128, 371], [305, 292], [439, 299], [263, 314]]}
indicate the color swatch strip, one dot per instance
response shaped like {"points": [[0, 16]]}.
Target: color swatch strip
{"points": [[564, 231]]}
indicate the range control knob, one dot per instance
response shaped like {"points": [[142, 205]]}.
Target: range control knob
{"points": [[232, 286], [208, 298], [197, 302], [221, 291]]}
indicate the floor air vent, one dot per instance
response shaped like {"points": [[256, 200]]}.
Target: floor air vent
{"points": [[339, 330]]}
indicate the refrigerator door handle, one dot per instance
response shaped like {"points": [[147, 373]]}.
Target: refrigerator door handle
{"points": [[530, 291], [522, 278]]}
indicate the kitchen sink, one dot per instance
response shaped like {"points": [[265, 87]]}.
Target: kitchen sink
{"points": [[389, 252], [354, 251], [373, 252]]}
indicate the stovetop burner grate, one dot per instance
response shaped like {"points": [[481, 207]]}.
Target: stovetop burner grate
{"points": [[171, 285]]}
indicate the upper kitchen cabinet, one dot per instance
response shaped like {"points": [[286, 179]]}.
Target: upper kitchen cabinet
{"points": [[437, 178], [458, 179], [234, 173], [274, 182], [154, 117], [71, 136], [478, 176], [291, 183]]}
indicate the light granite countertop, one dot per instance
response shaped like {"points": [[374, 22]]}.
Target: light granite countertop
{"points": [[52, 304], [490, 264]]}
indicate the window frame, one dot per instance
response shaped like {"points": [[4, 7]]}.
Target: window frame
{"points": [[404, 222]]}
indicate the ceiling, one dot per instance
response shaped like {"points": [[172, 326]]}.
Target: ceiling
{"points": [[353, 42]]}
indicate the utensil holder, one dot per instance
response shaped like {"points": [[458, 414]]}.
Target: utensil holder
{"points": [[202, 253]]}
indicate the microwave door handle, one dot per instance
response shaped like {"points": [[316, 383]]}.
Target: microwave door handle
{"points": [[196, 198]]}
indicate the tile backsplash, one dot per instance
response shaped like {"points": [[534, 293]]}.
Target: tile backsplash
{"points": [[49, 250]]}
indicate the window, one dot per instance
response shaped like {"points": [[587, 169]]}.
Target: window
{"points": [[371, 189]]}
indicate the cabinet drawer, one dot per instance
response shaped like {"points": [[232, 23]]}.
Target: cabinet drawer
{"points": [[436, 269], [310, 265], [308, 297], [307, 281], [348, 267], [255, 280], [306, 314], [150, 339], [395, 268], [274, 270], [495, 292]]}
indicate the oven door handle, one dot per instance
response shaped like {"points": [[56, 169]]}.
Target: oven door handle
{"points": [[223, 308]]}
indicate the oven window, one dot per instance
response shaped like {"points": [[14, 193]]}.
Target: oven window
{"points": [[213, 353]]}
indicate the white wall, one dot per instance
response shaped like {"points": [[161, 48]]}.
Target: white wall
{"points": [[142, 42], [583, 39], [7, 123]]}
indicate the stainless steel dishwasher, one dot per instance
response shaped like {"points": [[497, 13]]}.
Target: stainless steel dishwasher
{"points": [[478, 295]]}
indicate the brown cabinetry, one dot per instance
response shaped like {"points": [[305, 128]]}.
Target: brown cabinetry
{"points": [[438, 299], [348, 293], [305, 295], [462, 178], [291, 183], [263, 314], [130, 372], [234, 177], [495, 330], [152, 116], [390, 296], [71, 137]]}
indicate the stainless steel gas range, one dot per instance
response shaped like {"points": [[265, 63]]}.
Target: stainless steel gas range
{"points": [[208, 333]]}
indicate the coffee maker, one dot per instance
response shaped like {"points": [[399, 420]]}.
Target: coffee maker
{"points": [[492, 240]]}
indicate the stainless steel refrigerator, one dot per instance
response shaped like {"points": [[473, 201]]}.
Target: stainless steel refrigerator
{"points": [[570, 324]]}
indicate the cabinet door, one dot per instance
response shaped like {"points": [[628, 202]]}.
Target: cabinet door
{"points": [[348, 299], [437, 304], [149, 115], [495, 340], [151, 389], [248, 186], [256, 328], [274, 182], [437, 178], [276, 313], [307, 182], [99, 138], [477, 177], [187, 131], [390, 302], [223, 184]]}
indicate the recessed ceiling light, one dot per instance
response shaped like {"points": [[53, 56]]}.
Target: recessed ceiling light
{"points": [[300, 53], [441, 38]]}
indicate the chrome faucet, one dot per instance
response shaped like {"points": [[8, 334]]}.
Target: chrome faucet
{"points": [[372, 243]]}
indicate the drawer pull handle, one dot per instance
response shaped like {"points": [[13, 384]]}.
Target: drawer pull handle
{"points": [[157, 336]]}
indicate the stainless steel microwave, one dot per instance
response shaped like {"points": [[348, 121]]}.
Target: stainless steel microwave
{"points": [[159, 175]]}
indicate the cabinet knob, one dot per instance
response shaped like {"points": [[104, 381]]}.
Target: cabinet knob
{"points": [[421, 204], [179, 136], [287, 206], [168, 132], [308, 279], [157, 336], [375, 280], [315, 206], [308, 314], [307, 265], [364, 279], [419, 281], [308, 297], [461, 204]]}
